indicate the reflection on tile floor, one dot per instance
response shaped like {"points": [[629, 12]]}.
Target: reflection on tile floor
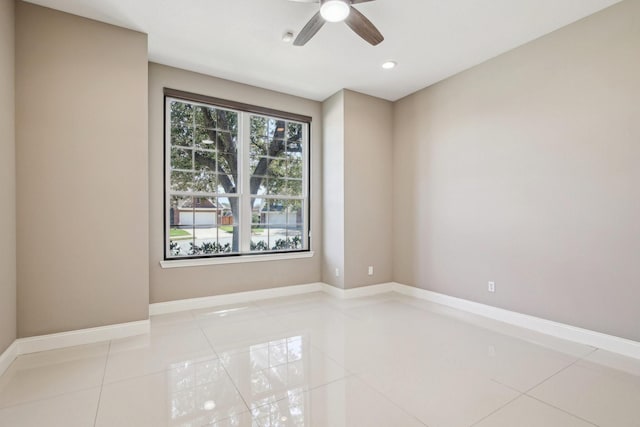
{"points": [[313, 360]]}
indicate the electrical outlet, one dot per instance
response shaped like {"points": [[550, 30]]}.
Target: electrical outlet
{"points": [[370, 270], [491, 286], [337, 272]]}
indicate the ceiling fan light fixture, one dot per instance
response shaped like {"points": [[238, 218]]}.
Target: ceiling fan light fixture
{"points": [[335, 10]]}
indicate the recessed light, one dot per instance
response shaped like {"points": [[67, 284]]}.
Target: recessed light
{"points": [[287, 37], [389, 65], [209, 405]]}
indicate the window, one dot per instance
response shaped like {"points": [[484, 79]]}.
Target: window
{"points": [[236, 178]]}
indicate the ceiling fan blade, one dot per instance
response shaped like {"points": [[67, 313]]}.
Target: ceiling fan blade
{"points": [[363, 27], [353, 1], [309, 30]]}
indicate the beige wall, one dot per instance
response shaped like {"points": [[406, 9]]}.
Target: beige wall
{"points": [[7, 178], [524, 170], [357, 181], [81, 132], [333, 190], [368, 180], [192, 282]]}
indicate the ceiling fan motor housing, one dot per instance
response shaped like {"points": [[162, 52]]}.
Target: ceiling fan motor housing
{"points": [[337, 11]]}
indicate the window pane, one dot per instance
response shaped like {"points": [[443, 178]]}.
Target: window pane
{"points": [[294, 133], [205, 138], [277, 167], [276, 186], [294, 165], [214, 226], [181, 159], [205, 117], [227, 120], [259, 230], [259, 146], [226, 141], [278, 224], [181, 114], [205, 160], [228, 224], [181, 230], [201, 181], [294, 187], [182, 136], [227, 151], [259, 184], [181, 124], [181, 181]]}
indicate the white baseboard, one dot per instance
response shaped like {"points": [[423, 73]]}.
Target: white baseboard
{"points": [[235, 298], [8, 356], [81, 336], [363, 291], [104, 333], [283, 291], [70, 339], [559, 330]]}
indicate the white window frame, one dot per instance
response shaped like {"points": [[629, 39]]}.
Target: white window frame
{"points": [[242, 188]]}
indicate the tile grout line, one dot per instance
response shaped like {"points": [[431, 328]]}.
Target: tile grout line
{"points": [[358, 376], [42, 399], [507, 386], [55, 395], [274, 317], [563, 411], [579, 359], [104, 374], [239, 394], [388, 399], [308, 390], [499, 408], [237, 391], [206, 337]]}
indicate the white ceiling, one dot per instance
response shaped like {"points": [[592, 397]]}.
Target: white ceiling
{"points": [[241, 39]]}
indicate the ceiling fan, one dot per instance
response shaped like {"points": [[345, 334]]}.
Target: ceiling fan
{"points": [[337, 11]]}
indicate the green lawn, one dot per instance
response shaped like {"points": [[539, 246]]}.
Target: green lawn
{"points": [[178, 232]]}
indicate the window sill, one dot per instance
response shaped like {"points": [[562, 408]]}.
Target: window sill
{"points": [[178, 263]]}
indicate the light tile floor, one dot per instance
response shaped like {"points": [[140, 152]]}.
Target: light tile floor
{"points": [[313, 360]]}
